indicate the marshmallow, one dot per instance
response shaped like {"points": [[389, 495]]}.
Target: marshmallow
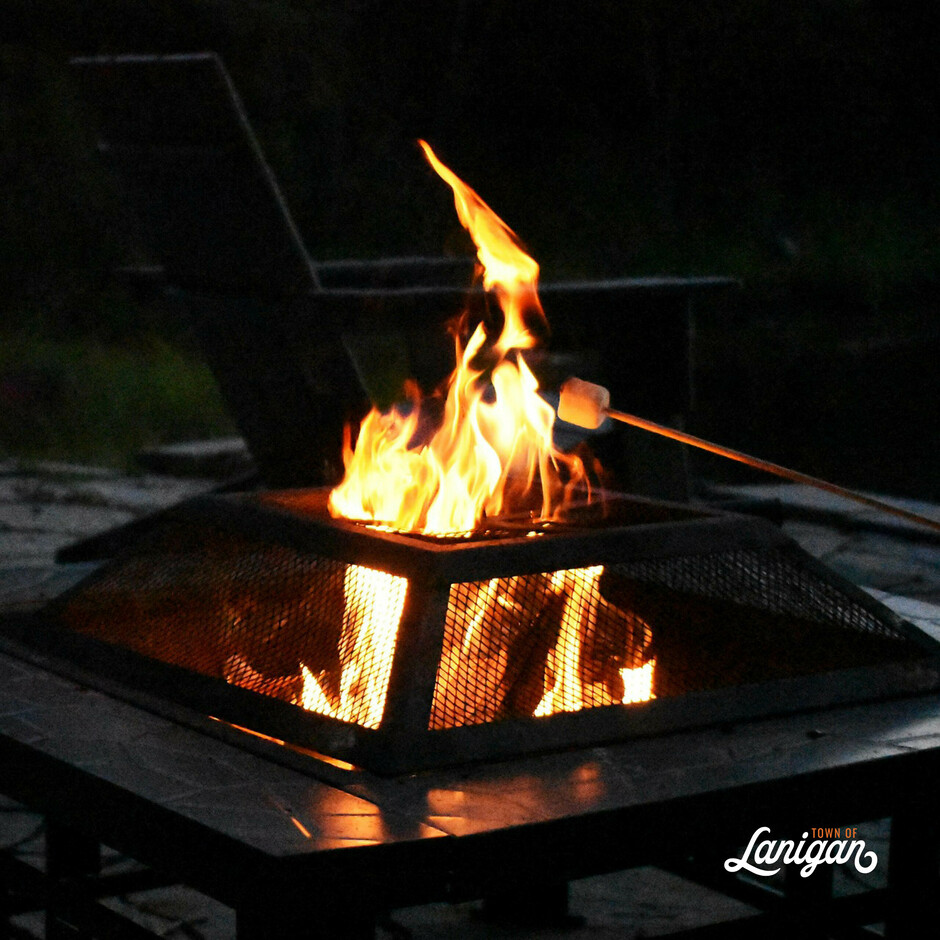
{"points": [[583, 403]]}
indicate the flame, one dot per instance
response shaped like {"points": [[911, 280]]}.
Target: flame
{"points": [[581, 589], [507, 269], [491, 455], [490, 449], [567, 692], [373, 606]]}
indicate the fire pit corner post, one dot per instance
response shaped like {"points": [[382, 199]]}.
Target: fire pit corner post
{"points": [[417, 654]]}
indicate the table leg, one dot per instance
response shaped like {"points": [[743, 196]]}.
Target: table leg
{"points": [[68, 855], [913, 872], [809, 899]]}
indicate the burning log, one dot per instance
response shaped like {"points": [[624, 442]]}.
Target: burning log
{"points": [[239, 672], [214, 606], [616, 640], [523, 684], [468, 687], [275, 625], [490, 643], [535, 644]]}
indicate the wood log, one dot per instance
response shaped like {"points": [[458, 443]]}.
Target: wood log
{"points": [[488, 625], [523, 684], [617, 639], [284, 611]]}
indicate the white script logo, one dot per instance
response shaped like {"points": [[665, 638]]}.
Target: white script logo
{"points": [[761, 854]]}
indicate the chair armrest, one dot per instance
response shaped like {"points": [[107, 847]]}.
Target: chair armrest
{"points": [[402, 272]]}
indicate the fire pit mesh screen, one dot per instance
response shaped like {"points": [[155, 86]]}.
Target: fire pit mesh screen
{"points": [[275, 602], [765, 580], [746, 616], [269, 618], [704, 621], [534, 644]]}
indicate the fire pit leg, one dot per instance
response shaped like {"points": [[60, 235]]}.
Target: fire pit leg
{"points": [[544, 905], [69, 855]]}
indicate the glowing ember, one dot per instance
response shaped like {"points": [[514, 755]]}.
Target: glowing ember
{"points": [[638, 683], [373, 608], [493, 451]]}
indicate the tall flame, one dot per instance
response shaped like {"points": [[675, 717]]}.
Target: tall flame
{"points": [[490, 449]]}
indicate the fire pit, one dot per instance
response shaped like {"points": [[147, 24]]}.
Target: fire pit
{"points": [[399, 652]]}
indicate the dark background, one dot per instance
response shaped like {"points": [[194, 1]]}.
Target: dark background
{"points": [[792, 145]]}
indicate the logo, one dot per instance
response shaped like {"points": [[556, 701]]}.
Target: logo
{"points": [[827, 847]]}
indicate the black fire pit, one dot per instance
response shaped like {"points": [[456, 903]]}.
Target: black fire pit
{"points": [[401, 652]]}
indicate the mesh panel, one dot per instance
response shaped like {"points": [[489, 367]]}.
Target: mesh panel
{"points": [[745, 616], [235, 600], [547, 643], [767, 580], [532, 645], [305, 629]]}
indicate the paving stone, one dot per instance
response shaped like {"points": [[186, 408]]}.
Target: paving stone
{"points": [[809, 499], [67, 519], [895, 565], [55, 505], [144, 495], [643, 902], [896, 556], [177, 912], [30, 548], [27, 587], [138, 493], [219, 459], [58, 468], [921, 613]]}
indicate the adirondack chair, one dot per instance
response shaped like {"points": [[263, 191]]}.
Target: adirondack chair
{"points": [[298, 346]]}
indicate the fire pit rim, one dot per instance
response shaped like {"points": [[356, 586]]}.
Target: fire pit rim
{"points": [[428, 562]]}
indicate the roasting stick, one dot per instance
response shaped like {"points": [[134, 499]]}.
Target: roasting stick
{"points": [[587, 405]]}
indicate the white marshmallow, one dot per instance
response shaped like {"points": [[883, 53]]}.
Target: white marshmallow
{"points": [[583, 403]]}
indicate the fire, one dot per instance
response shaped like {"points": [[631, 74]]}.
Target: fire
{"points": [[566, 694], [373, 608], [493, 449], [491, 455], [638, 683], [568, 691]]}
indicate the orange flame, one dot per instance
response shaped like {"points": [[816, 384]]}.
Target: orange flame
{"points": [[490, 450], [491, 455], [373, 608], [568, 692]]}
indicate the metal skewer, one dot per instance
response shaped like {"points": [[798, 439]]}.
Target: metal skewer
{"points": [[587, 399]]}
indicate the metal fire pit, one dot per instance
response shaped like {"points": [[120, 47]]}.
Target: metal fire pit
{"points": [[227, 604]]}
